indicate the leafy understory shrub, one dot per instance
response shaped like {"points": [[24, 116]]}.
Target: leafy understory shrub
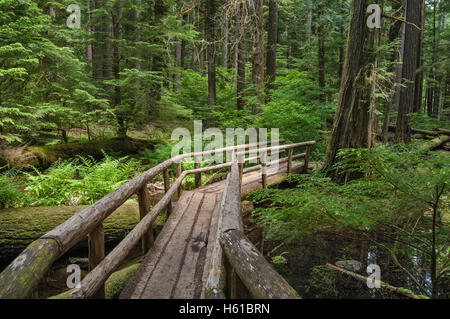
{"points": [[80, 181]]}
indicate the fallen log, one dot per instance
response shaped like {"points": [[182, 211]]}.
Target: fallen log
{"points": [[435, 143], [24, 157], [19, 227], [392, 128], [443, 130], [402, 291]]}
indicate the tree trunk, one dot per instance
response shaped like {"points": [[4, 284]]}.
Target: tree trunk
{"points": [[395, 32], [403, 132], [225, 31], [272, 39], [309, 21], [418, 90], [438, 94], [241, 58], [158, 61], [341, 52], [353, 116], [116, 15], [258, 52], [211, 48], [321, 56]]}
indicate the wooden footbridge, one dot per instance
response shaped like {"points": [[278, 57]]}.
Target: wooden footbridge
{"points": [[201, 251]]}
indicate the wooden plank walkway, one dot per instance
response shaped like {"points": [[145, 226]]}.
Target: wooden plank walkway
{"points": [[176, 266]]}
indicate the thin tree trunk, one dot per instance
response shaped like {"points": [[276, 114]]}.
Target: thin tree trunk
{"points": [[395, 32], [240, 58], [309, 21], [117, 36], [258, 52], [158, 61], [211, 48], [438, 97], [225, 30], [272, 39], [418, 91]]}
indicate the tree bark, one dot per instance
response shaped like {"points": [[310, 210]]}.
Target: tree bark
{"points": [[258, 52], [440, 79], [353, 116], [241, 58], [418, 90], [403, 133], [225, 30], [272, 39], [157, 61], [395, 32], [211, 48], [116, 16]]}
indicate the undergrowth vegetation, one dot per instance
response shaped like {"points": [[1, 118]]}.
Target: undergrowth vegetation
{"points": [[79, 181], [400, 192]]}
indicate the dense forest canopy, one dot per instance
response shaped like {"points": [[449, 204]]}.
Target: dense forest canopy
{"points": [[83, 82]]}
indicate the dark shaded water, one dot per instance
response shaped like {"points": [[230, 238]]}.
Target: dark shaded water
{"points": [[305, 270]]}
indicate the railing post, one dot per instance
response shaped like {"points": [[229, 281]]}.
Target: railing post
{"points": [[263, 160], [96, 244], [308, 152], [198, 176], [166, 189], [241, 172], [179, 170], [241, 161], [144, 208], [289, 166]]}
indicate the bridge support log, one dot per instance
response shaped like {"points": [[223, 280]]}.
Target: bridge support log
{"points": [[166, 189], [97, 254], [144, 208], [308, 153], [289, 167], [198, 176], [263, 161], [179, 170], [258, 276]]}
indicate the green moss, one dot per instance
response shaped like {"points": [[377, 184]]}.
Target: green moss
{"points": [[21, 226], [118, 280]]}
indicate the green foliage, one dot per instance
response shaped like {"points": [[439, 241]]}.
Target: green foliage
{"points": [[10, 194], [295, 109], [280, 259], [424, 122], [80, 181], [44, 85], [323, 282], [395, 184], [161, 153]]}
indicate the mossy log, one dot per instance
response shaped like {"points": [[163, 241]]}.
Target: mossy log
{"points": [[44, 156], [435, 143], [21, 226]]}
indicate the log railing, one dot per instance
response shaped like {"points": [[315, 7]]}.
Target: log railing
{"points": [[237, 269], [21, 278]]}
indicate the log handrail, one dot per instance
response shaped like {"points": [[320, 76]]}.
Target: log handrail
{"points": [[248, 267], [23, 275]]}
